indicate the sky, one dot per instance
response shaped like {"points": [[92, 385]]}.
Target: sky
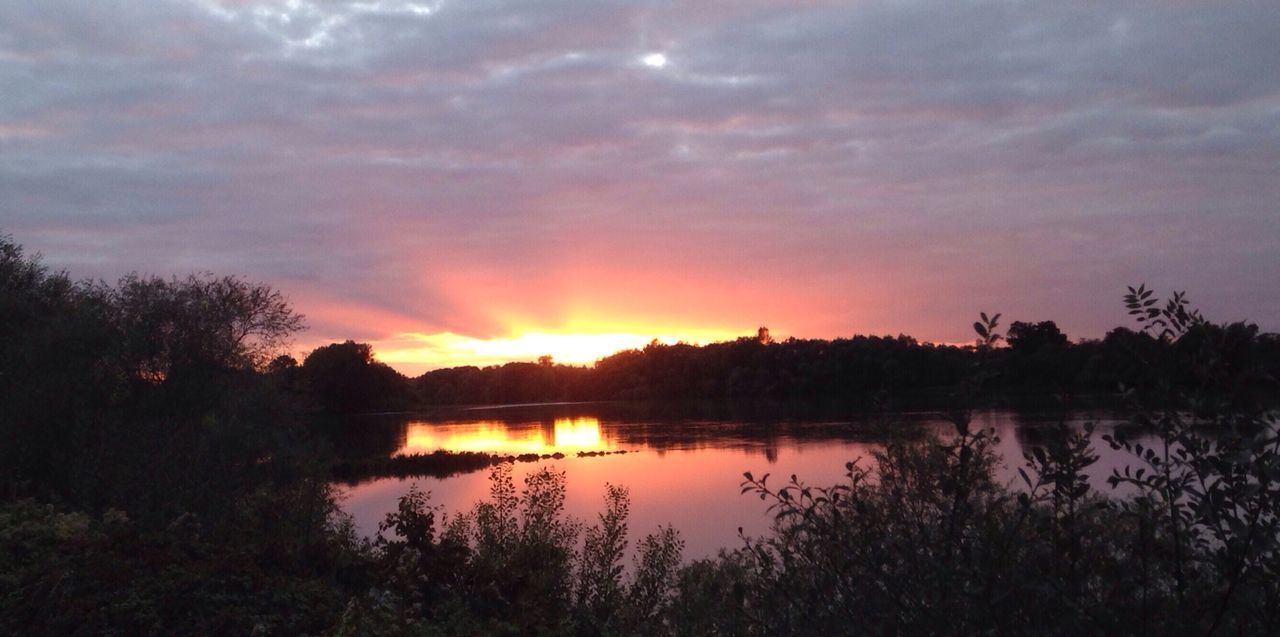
{"points": [[474, 181]]}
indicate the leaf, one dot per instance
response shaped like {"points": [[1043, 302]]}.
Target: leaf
{"points": [[1039, 454]]}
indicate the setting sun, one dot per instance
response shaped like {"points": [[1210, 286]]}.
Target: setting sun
{"points": [[415, 351]]}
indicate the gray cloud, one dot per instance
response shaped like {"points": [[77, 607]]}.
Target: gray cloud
{"points": [[965, 155]]}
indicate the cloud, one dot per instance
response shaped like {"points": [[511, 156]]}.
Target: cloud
{"points": [[486, 167]]}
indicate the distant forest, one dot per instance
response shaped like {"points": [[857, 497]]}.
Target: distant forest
{"points": [[1037, 360]]}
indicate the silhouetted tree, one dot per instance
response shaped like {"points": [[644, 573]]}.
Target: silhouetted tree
{"points": [[345, 379], [282, 363], [1032, 337]]}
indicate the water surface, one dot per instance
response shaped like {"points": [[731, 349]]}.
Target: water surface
{"points": [[684, 467]]}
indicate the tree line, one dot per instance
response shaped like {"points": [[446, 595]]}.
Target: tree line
{"points": [[1039, 360]]}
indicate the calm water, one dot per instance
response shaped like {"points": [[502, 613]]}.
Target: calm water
{"points": [[683, 468]]}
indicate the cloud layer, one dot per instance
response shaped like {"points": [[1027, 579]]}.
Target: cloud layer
{"points": [[486, 167]]}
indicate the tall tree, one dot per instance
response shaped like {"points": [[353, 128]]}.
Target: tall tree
{"points": [[1032, 337]]}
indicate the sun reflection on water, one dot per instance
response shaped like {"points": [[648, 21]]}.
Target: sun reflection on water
{"points": [[490, 436]]}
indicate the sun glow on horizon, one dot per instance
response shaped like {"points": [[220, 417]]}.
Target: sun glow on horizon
{"points": [[448, 349]]}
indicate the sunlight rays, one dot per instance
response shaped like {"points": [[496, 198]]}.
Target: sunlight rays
{"points": [[416, 350]]}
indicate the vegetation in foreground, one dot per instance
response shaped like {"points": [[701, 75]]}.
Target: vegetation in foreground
{"points": [[155, 479]]}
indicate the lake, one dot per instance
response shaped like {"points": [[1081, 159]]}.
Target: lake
{"points": [[684, 465]]}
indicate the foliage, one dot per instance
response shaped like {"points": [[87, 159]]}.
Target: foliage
{"points": [[345, 379], [173, 327], [145, 395], [1212, 484], [152, 481], [923, 542], [514, 565], [1032, 337], [600, 590], [69, 572]]}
